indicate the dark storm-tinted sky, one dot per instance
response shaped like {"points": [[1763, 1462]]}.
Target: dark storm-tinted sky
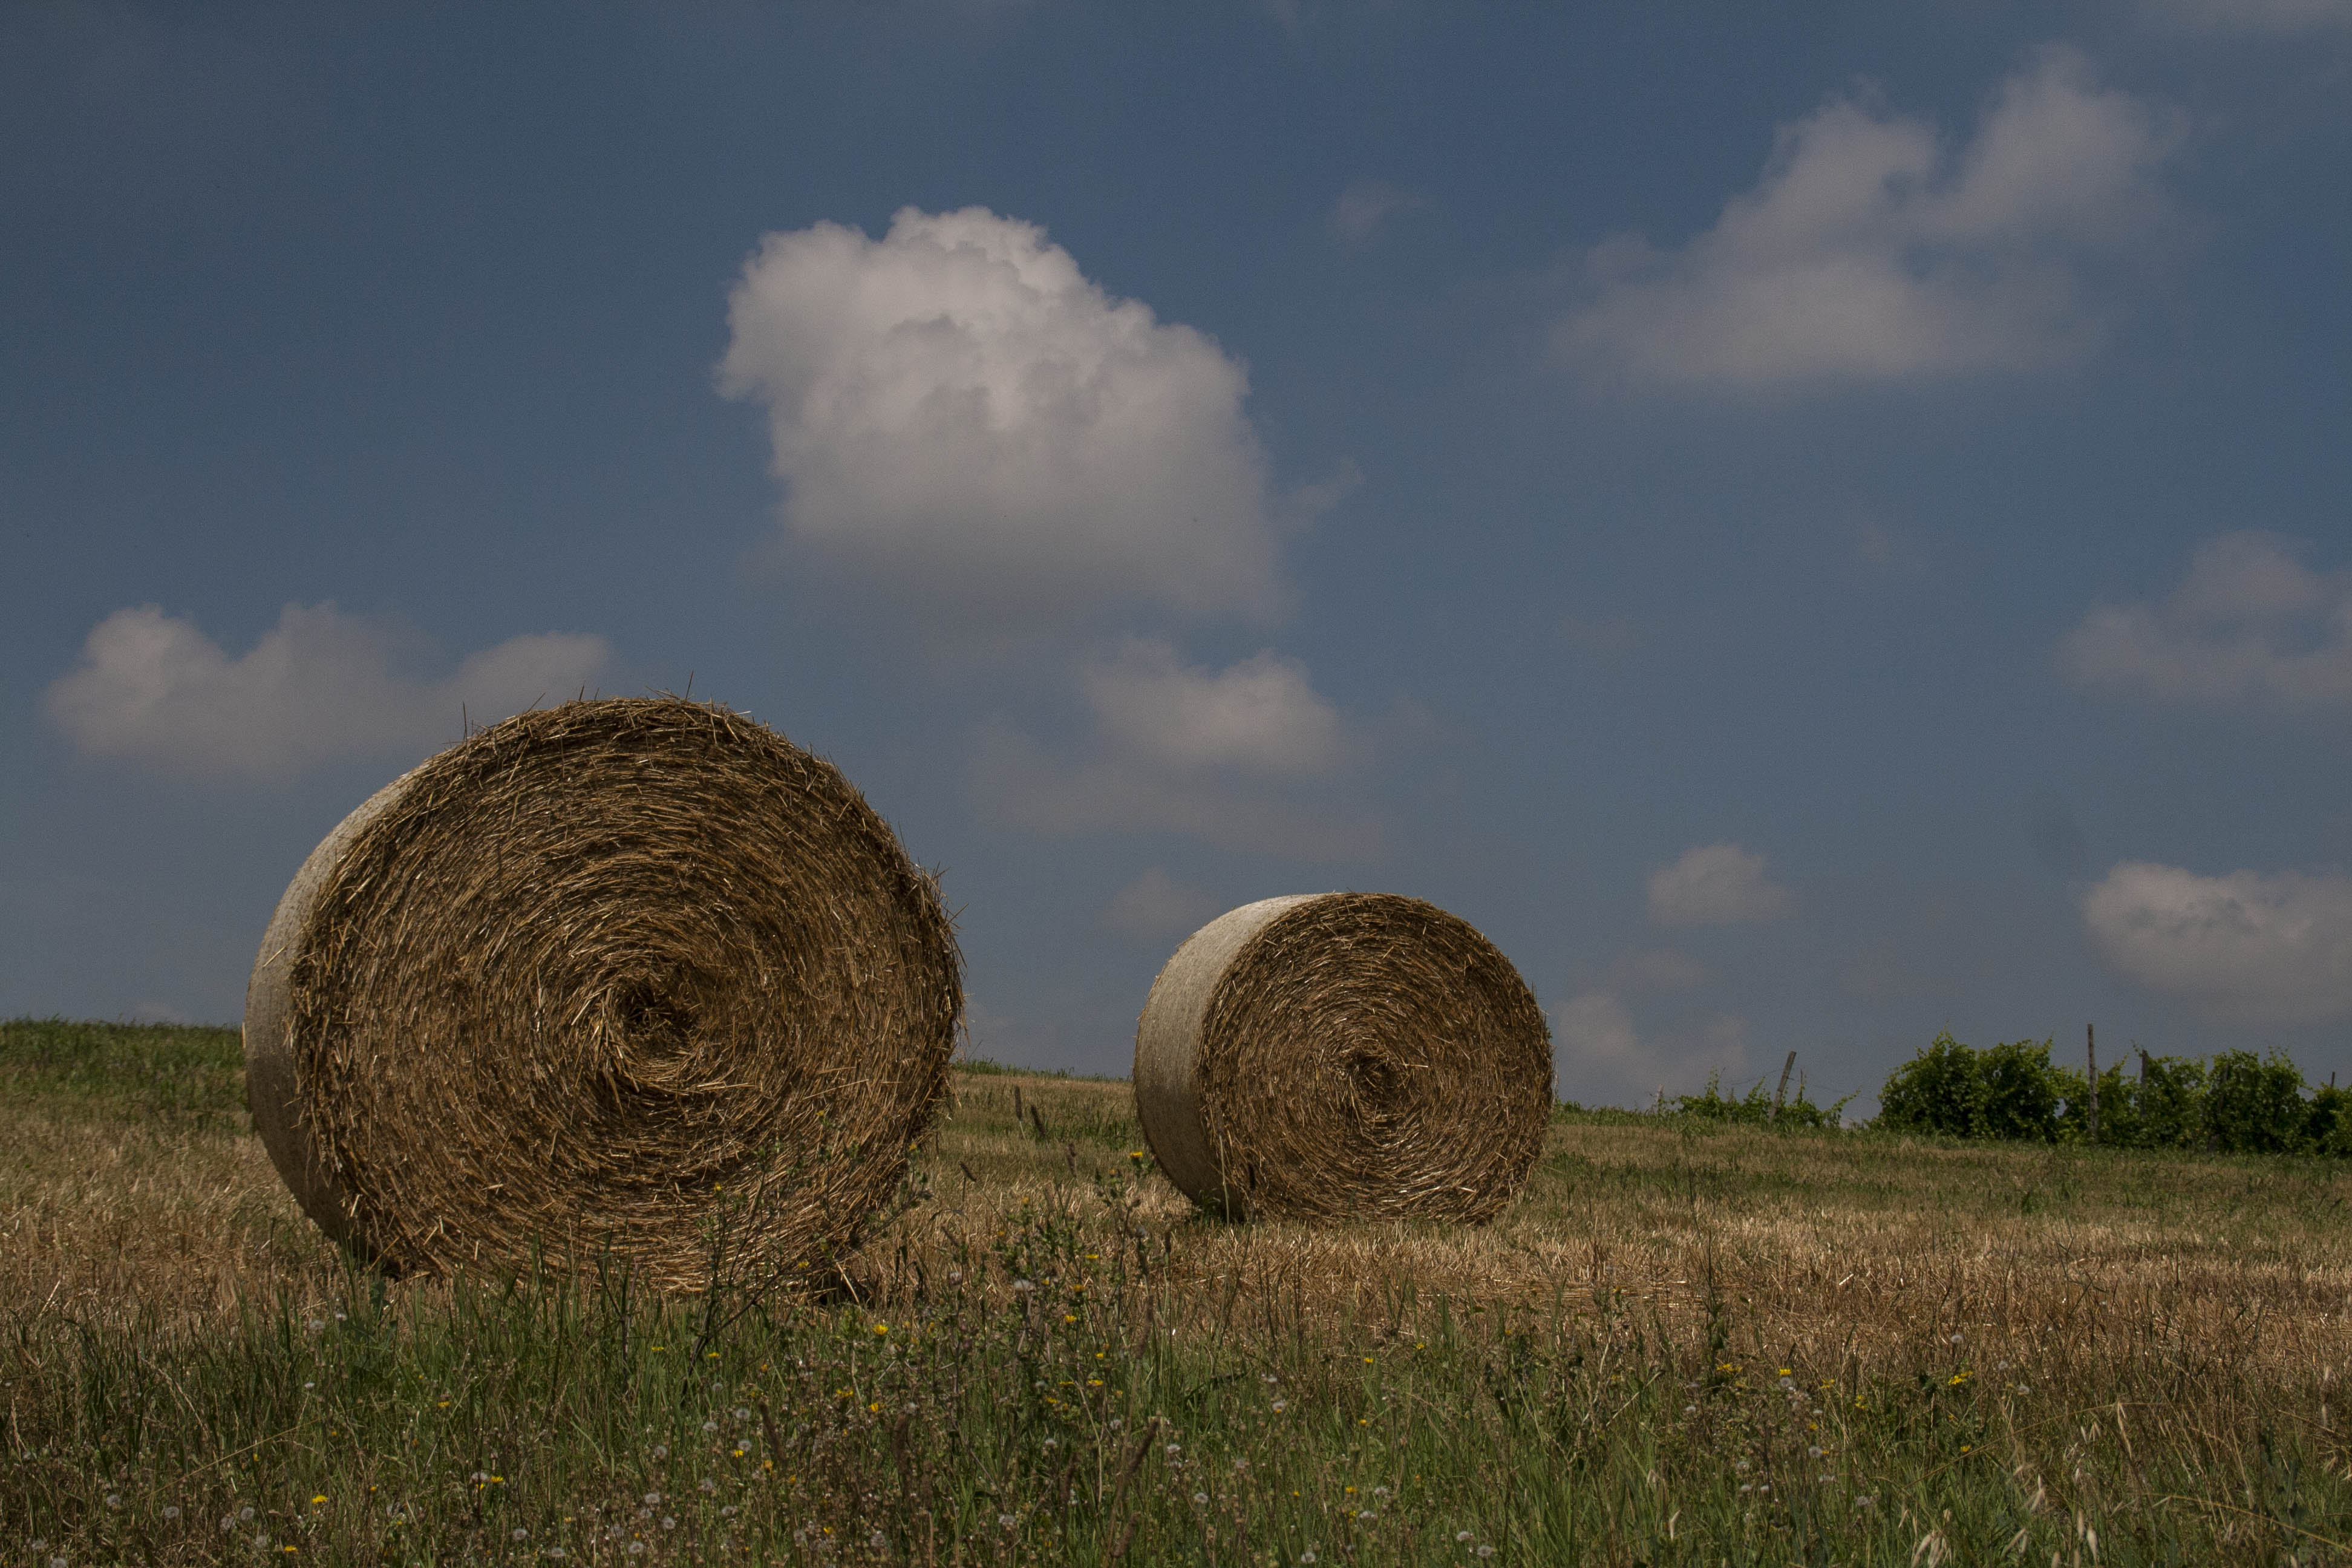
{"points": [[1809, 525]]}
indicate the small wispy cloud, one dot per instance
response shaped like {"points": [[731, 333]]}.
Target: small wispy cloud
{"points": [[1871, 251], [1639, 970], [2242, 948], [2279, 17], [1155, 907], [1368, 205], [2250, 627], [1716, 885], [321, 687], [1601, 1055], [1611, 636], [1213, 755]]}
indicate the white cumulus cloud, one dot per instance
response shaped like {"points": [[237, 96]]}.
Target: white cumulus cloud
{"points": [[320, 687], [2242, 948], [956, 408], [1181, 747], [1873, 250], [1716, 885], [2249, 627]]}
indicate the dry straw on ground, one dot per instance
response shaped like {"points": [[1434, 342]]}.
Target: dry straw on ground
{"points": [[1343, 1055], [632, 979]]}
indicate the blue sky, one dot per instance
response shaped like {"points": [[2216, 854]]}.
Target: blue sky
{"points": [[1810, 526]]}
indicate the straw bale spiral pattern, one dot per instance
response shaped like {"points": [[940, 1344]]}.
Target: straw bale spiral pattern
{"points": [[616, 979], [1341, 1056]]}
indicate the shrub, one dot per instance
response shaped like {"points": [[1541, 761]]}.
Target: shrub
{"points": [[2240, 1103], [2023, 1092], [2168, 1102], [1941, 1090], [1755, 1108], [2252, 1106], [2327, 1123]]}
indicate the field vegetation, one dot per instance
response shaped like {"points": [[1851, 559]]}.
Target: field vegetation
{"points": [[1697, 1339]]}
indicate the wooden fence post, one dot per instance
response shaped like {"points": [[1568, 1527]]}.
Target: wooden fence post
{"points": [[1781, 1093], [2090, 1049]]}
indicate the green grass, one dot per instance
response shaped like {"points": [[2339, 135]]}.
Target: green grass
{"points": [[1054, 1361], [157, 1071]]}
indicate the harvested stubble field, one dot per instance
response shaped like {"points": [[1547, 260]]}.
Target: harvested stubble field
{"points": [[1687, 1343]]}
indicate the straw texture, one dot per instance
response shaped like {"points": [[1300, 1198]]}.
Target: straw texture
{"points": [[631, 977], [1343, 1055]]}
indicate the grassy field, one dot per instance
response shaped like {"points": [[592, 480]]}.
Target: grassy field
{"points": [[1685, 1344]]}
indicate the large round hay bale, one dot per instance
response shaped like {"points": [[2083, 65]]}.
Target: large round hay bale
{"points": [[632, 979], [1343, 1055]]}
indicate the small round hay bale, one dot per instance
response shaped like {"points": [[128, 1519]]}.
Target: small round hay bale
{"points": [[627, 978], [1343, 1055]]}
